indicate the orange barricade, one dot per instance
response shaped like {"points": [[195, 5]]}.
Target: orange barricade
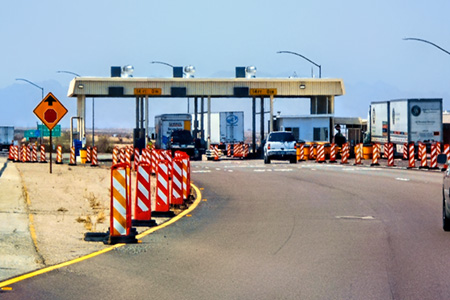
{"points": [[376, 154], [94, 159], [176, 195], [72, 161], [142, 200], [434, 155], [422, 155], [43, 157], [59, 155], [412, 159], [390, 154], [333, 153], [162, 204]]}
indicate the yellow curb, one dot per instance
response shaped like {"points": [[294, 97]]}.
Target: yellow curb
{"points": [[74, 261]]}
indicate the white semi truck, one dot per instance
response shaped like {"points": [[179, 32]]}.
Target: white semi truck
{"points": [[226, 127], [6, 136], [406, 120]]}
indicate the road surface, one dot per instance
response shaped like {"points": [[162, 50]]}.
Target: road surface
{"points": [[279, 231]]}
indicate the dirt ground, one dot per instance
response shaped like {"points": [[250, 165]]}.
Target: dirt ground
{"points": [[65, 205]]}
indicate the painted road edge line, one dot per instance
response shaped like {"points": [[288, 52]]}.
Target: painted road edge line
{"points": [[86, 257]]}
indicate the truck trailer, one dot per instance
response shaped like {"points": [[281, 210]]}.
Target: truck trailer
{"points": [[405, 121], [6, 137], [226, 127]]}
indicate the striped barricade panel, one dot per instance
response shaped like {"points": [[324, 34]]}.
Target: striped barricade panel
{"points": [[176, 196], [43, 156], [94, 158], [59, 154], [119, 224], [142, 204], [162, 187]]}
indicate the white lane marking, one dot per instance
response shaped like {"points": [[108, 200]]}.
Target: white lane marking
{"points": [[282, 170], [355, 217], [217, 169], [202, 171], [402, 179]]}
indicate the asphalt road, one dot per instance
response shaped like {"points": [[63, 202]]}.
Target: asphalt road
{"points": [[279, 231]]}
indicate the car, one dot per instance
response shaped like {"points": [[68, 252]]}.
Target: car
{"points": [[181, 140], [442, 159], [280, 145]]}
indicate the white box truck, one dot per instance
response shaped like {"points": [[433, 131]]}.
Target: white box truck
{"points": [[166, 124], [6, 136], [408, 120], [226, 127]]}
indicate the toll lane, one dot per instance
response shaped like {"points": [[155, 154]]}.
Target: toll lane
{"points": [[304, 231]]}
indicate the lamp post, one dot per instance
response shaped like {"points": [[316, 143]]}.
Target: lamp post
{"points": [[32, 83], [428, 42], [294, 53]]}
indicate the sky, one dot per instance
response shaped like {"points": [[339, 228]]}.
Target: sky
{"points": [[360, 42]]}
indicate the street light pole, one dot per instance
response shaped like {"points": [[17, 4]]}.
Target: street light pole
{"points": [[428, 42], [294, 53], [32, 83]]}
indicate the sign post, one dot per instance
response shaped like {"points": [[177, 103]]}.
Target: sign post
{"points": [[50, 111]]}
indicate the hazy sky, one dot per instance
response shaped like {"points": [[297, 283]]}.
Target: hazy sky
{"points": [[358, 41]]}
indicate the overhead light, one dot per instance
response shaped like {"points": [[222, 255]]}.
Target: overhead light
{"points": [[81, 86], [250, 72], [189, 71], [127, 71], [302, 86]]}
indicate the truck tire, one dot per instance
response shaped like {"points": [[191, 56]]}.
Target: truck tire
{"points": [[266, 160], [293, 160]]}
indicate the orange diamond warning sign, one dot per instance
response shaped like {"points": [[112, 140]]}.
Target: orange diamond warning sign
{"points": [[50, 111]]}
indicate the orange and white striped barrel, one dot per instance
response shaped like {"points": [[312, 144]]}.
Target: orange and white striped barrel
{"points": [[59, 154], [301, 152], [412, 159], [94, 157], [153, 158], [128, 152], [333, 153], [176, 195], [122, 156], [216, 152], [358, 153], [22, 154], [88, 154], [320, 153], [312, 151], [136, 159], [438, 148], [142, 203], [405, 151], [115, 156], [447, 151], [28, 150], [237, 150], [344, 155], [376, 154], [422, 155], [246, 150], [72, 161], [390, 154], [34, 154], [11, 152], [168, 156], [43, 157], [162, 187], [120, 219], [434, 155], [228, 150], [16, 154]]}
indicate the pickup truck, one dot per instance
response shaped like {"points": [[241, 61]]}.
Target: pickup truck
{"points": [[181, 140]]}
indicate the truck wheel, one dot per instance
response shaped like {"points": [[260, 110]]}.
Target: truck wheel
{"points": [[293, 160], [266, 160]]}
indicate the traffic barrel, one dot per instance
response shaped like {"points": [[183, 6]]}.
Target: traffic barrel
{"points": [[120, 217], [11, 152], [122, 157], [358, 154], [59, 155], [168, 156], [153, 158], [447, 151], [390, 154], [142, 201], [34, 154], [438, 148], [246, 150], [28, 151], [128, 153], [405, 151], [320, 153], [422, 156], [94, 158], [186, 176], [375, 154], [344, 154], [228, 150], [162, 204], [333, 153], [176, 195], [216, 152], [43, 156], [412, 159], [434, 155], [136, 158], [88, 154], [115, 156], [16, 154], [72, 161]]}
